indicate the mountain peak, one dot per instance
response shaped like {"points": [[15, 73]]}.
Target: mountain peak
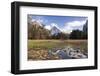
{"points": [[55, 30]]}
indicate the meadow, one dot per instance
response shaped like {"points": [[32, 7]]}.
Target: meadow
{"points": [[49, 44], [38, 49]]}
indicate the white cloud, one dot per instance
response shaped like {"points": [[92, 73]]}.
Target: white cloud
{"points": [[75, 23], [48, 27], [67, 29], [40, 20], [33, 20], [54, 24], [69, 26], [51, 25]]}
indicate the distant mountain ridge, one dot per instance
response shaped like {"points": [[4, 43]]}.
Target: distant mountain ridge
{"points": [[55, 30], [37, 30]]}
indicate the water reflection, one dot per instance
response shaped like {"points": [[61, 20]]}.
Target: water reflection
{"points": [[68, 53]]}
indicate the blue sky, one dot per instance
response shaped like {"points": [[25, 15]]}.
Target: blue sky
{"points": [[64, 23]]}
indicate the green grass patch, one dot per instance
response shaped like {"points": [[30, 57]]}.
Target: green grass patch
{"points": [[49, 44]]}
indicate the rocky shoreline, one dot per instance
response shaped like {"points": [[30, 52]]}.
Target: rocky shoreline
{"points": [[57, 53]]}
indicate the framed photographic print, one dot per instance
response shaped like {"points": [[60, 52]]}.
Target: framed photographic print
{"points": [[52, 37]]}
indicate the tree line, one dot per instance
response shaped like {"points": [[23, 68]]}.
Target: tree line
{"points": [[35, 31]]}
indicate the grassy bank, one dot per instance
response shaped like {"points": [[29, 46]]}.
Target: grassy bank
{"points": [[49, 44]]}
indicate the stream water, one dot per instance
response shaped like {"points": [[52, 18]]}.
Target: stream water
{"points": [[68, 53]]}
